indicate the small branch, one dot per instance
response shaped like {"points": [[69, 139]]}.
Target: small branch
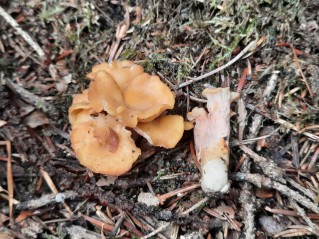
{"points": [[196, 205], [247, 200], [268, 166], [257, 119], [301, 212], [262, 181], [29, 97], [248, 48], [22, 33], [165, 196], [305, 191], [45, 200], [159, 229], [53, 188]]}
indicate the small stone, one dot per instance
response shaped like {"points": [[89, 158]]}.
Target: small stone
{"points": [[149, 199]]}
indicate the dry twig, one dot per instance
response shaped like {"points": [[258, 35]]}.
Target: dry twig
{"points": [[9, 179], [250, 47], [53, 188], [268, 166], [262, 181], [165, 196], [29, 97], [301, 212], [22, 33], [46, 200]]}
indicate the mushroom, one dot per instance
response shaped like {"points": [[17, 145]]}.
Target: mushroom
{"points": [[121, 96], [143, 99], [165, 131], [122, 71], [105, 94], [149, 96], [80, 109], [211, 136], [104, 145]]}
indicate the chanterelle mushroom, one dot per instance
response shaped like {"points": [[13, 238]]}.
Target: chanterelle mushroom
{"points": [[104, 145], [80, 109], [121, 95], [211, 135], [143, 97], [165, 131], [122, 71]]}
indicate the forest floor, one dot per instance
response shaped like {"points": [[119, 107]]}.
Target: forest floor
{"points": [[274, 144]]}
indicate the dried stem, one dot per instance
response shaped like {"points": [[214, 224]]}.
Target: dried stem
{"points": [[10, 181], [165, 196], [268, 166], [301, 212], [262, 181], [251, 46], [22, 33]]}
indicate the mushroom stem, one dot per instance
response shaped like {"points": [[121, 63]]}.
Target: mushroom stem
{"points": [[211, 135]]}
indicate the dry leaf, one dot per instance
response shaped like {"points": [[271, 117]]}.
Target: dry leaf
{"points": [[37, 118], [63, 82], [3, 218], [106, 181], [23, 215], [225, 211], [2, 123], [25, 108], [6, 235], [264, 193]]}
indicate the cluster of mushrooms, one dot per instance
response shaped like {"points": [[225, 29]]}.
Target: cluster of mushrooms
{"points": [[121, 98]]}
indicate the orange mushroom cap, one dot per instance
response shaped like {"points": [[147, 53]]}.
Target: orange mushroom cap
{"points": [[149, 96], [80, 109], [144, 98], [131, 98], [165, 131], [122, 71], [105, 94], [104, 145]]}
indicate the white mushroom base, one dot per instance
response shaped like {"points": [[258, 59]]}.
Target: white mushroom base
{"points": [[215, 177]]}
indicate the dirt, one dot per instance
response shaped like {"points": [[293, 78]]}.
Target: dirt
{"points": [[176, 40]]}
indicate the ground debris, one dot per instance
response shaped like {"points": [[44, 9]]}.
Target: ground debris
{"points": [[273, 141], [77, 232], [270, 225], [46, 200]]}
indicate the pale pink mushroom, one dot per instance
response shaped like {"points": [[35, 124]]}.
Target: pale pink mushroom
{"points": [[211, 135]]}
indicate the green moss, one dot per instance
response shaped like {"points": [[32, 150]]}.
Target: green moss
{"points": [[128, 54], [148, 65]]}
